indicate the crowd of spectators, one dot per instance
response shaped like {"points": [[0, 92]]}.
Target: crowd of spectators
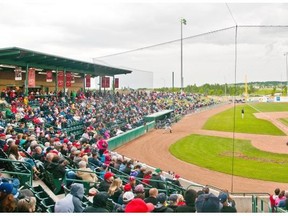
{"points": [[35, 129], [108, 114], [128, 199]]}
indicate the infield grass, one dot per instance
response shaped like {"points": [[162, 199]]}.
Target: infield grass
{"points": [[224, 121], [284, 121], [216, 153]]}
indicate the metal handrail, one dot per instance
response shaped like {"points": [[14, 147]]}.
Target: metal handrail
{"points": [[30, 174]]}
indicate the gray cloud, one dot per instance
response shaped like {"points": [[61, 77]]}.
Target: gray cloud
{"points": [[87, 29]]}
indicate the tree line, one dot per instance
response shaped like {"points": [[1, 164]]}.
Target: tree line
{"points": [[238, 89]]}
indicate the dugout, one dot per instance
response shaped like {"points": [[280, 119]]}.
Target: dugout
{"points": [[164, 114], [15, 63]]}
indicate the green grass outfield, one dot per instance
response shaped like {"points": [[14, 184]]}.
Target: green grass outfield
{"points": [[224, 121], [216, 153]]}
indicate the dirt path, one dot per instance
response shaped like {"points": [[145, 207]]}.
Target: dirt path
{"points": [[152, 149]]}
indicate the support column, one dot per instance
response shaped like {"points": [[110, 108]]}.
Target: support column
{"points": [[26, 80], [56, 82], [64, 74], [100, 82], [84, 83], [113, 84]]}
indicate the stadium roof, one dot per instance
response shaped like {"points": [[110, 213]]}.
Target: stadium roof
{"points": [[21, 57]]}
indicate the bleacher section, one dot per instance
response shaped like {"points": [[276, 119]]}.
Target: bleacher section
{"points": [[49, 189]]}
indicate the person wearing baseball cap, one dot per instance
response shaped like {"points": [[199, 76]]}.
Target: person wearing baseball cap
{"points": [[108, 179], [156, 180], [137, 205], [6, 188], [173, 201], [127, 198], [139, 191], [223, 199], [7, 200], [132, 181], [176, 180], [127, 187], [162, 204]]}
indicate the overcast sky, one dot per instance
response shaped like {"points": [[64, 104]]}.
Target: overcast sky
{"points": [[87, 30]]}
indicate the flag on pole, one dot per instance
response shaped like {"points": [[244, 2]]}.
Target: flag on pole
{"points": [[183, 21], [116, 84], [60, 79], [49, 76], [18, 73], [31, 77], [88, 80], [68, 79]]}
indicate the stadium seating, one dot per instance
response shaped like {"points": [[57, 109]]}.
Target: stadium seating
{"points": [[55, 184], [46, 204]]}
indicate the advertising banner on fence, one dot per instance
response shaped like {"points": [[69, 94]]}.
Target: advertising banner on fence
{"points": [[18, 73], [68, 79], [88, 81], [49, 76], [60, 79], [31, 77], [116, 84]]}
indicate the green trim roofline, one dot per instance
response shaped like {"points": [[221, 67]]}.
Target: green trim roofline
{"points": [[22, 57]]}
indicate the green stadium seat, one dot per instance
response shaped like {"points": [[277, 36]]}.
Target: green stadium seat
{"points": [[46, 203], [41, 196], [55, 184], [50, 209]]}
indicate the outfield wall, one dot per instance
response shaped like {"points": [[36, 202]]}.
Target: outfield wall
{"points": [[268, 99], [280, 99], [130, 135]]}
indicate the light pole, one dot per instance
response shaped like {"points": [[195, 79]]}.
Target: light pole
{"points": [[285, 54], [183, 21], [173, 81]]}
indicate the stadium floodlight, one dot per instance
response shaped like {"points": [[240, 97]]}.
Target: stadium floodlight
{"points": [[182, 21]]}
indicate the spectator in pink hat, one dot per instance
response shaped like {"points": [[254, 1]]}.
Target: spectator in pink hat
{"points": [[139, 191], [132, 181], [102, 145]]}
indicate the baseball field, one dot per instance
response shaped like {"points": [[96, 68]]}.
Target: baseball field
{"points": [[218, 147]]}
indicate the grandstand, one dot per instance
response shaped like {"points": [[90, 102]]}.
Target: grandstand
{"points": [[57, 149]]}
